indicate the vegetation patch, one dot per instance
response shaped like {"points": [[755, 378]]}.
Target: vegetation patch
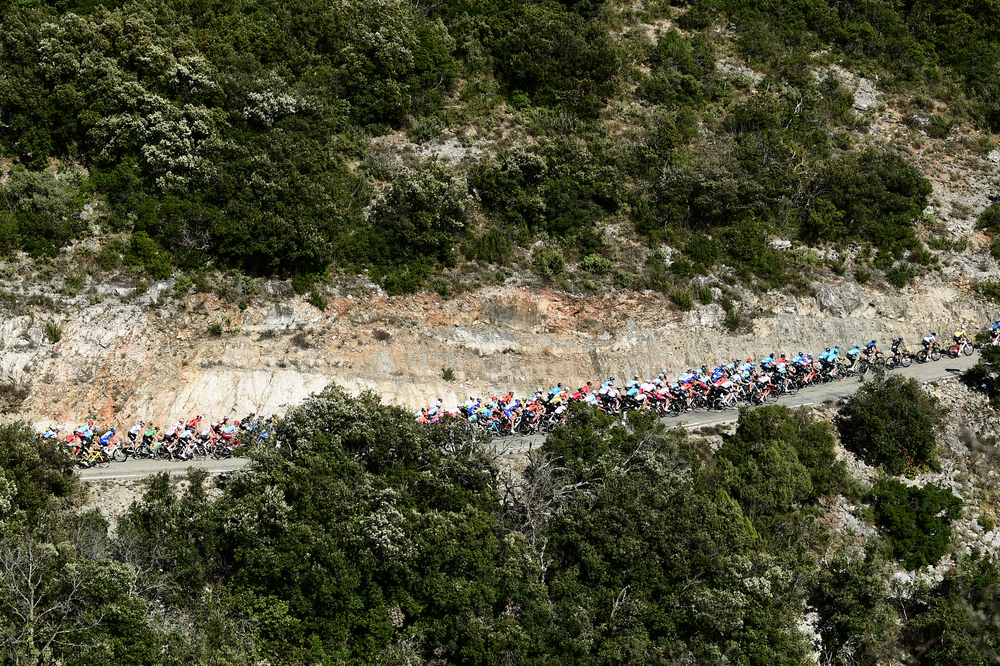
{"points": [[891, 422]]}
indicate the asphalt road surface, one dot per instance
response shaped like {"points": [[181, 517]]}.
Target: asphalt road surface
{"points": [[133, 468], [814, 395]]}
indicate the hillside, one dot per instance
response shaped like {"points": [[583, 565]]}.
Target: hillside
{"points": [[337, 211], [590, 146]]}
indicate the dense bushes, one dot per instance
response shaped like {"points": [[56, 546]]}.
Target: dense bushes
{"points": [[917, 520], [872, 196], [367, 538], [778, 459], [236, 144], [891, 422]]}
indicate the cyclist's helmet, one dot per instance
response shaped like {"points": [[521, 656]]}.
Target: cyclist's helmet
{"points": [[142, 423], [934, 334], [112, 430], [236, 422], [90, 423], [873, 342]]}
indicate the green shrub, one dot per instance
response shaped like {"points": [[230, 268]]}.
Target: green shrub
{"points": [[303, 283], [144, 254], [492, 246], [217, 328], [182, 286], [862, 276], [703, 250], [549, 262], [53, 332], [108, 258], [892, 422], [900, 275], [317, 301], [682, 299], [778, 459], [917, 520], [989, 219], [597, 264], [988, 288], [705, 295], [448, 374], [422, 130], [72, 284]]}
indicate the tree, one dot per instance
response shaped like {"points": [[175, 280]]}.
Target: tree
{"points": [[892, 422], [917, 520], [778, 459]]}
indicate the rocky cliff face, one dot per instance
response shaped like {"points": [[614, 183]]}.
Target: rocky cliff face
{"points": [[155, 357]]}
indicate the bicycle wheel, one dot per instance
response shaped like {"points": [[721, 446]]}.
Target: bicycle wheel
{"points": [[863, 368], [968, 350], [791, 388], [198, 453], [102, 461], [119, 455], [905, 360], [935, 354]]}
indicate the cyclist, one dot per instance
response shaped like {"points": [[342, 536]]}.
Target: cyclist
{"points": [[51, 432], [193, 424], [871, 349], [852, 355], [960, 336], [995, 332], [134, 431]]}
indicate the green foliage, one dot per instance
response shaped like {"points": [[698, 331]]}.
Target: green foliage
{"points": [[955, 621], [448, 374], [317, 300], [705, 295], [916, 520], [414, 227], [703, 250], [182, 285], [682, 299], [144, 254], [777, 460], [647, 506], [35, 475], [871, 196], [892, 422], [490, 246], [41, 215], [988, 288], [572, 68], [557, 187], [989, 219], [985, 374], [856, 619], [109, 257], [900, 275], [595, 263], [549, 262], [53, 332]]}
